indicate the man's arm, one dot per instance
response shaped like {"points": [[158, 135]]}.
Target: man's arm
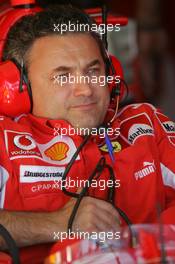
{"points": [[30, 228]]}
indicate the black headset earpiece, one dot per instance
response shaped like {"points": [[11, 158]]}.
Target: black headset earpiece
{"points": [[23, 78]]}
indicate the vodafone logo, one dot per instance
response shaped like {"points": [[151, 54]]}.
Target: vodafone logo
{"points": [[20, 145], [24, 142]]}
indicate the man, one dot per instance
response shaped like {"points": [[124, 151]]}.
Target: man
{"points": [[33, 156]]}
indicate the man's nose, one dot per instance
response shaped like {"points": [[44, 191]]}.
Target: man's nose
{"points": [[82, 86]]}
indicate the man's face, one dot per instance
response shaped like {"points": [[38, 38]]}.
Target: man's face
{"points": [[54, 59]]}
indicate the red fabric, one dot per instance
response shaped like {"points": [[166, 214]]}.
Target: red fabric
{"points": [[35, 254], [149, 245], [5, 258], [4, 5], [168, 216]]}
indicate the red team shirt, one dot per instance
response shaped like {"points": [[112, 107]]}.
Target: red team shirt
{"points": [[33, 159]]}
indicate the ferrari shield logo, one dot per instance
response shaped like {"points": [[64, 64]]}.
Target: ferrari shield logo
{"points": [[116, 147]]}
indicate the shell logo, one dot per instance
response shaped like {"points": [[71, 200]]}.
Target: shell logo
{"points": [[58, 151]]}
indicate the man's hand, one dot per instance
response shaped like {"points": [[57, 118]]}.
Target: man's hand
{"points": [[94, 215]]}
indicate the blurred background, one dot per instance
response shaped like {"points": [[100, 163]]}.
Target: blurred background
{"points": [[145, 48]]}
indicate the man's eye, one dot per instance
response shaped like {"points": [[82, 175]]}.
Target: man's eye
{"points": [[93, 71], [61, 75]]}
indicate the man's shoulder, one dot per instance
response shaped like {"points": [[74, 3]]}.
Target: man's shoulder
{"points": [[137, 120], [136, 109], [10, 123], [5, 121]]}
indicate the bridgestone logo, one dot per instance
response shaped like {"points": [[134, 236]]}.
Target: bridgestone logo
{"points": [[139, 130], [30, 173], [41, 174]]}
